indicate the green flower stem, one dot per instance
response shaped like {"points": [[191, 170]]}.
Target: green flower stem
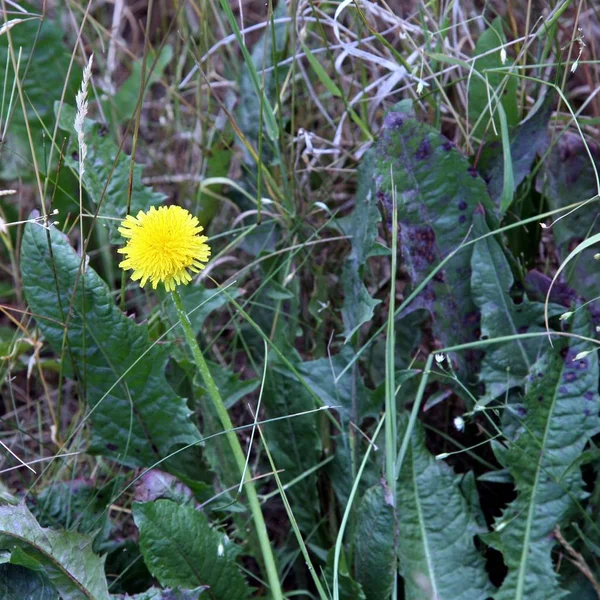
{"points": [[236, 448]]}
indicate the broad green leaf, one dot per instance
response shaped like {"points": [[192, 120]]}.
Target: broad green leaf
{"points": [[438, 193], [361, 225], [65, 557], [527, 140], [106, 176], [43, 72], [120, 372], [374, 541], [294, 443], [505, 365], [484, 84], [19, 583], [181, 549], [166, 594], [122, 105], [558, 417], [436, 548], [568, 176]]}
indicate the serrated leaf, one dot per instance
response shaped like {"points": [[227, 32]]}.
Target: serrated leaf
{"points": [[19, 583], [374, 543], [436, 549], [43, 69], [76, 505], [438, 193], [481, 95], [568, 176], [559, 416], [106, 177], [103, 345], [505, 365], [527, 140], [65, 557], [294, 443], [181, 549], [361, 225]]}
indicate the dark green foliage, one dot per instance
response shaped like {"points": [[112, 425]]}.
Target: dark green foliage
{"points": [[436, 546], [65, 558], [295, 442], [505, 364], [437, 193], [120, 372], [488, 87], [558, 417], [528, 140], [567, 177], [19, 583], [375, 543], [44, 64], [107, 172], [181, 549], [361, 225]]}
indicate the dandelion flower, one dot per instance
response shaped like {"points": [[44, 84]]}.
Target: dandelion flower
{"points": [[162, 245]]}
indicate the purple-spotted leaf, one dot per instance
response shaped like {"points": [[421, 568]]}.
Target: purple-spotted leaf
{"points": [[438, 193], [567, 177]]}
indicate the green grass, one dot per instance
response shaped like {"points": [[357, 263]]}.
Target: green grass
{"points": [[381, 186]]}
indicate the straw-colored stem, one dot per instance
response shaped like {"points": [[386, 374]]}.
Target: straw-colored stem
{"points": [[236, 448]]}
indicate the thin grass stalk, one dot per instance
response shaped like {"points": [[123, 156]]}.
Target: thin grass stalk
{"points": [[236, 448]]}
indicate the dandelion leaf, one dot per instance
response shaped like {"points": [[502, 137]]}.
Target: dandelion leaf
{"points": [[376, 532], [438, 193], [181, 549], [436, 547], [65, 558], [505, 365], [106, 174], [568, 176], [361, 227], [118, 370], [558, 419]]}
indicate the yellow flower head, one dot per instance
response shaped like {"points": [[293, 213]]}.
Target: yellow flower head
{"points": [[162, 245]]}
